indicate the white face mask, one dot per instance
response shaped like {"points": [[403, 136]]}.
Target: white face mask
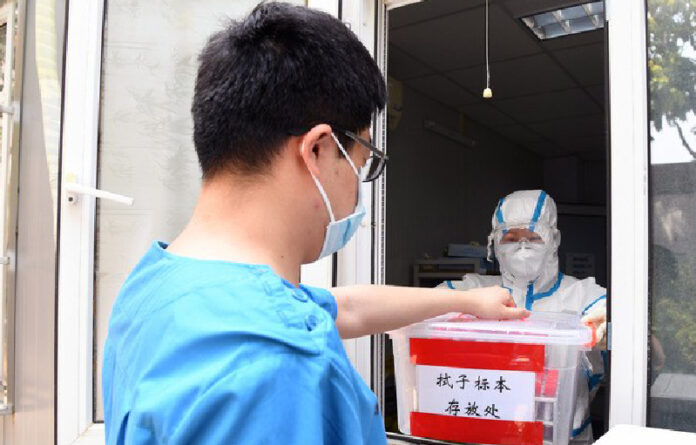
{"points": [[523, 261], [338, 233]]}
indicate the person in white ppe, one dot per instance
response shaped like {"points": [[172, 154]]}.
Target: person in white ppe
{"points": [[525, 239]]}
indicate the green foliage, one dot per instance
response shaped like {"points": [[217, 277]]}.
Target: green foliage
{"points": [[671, 26], [672, 63]]}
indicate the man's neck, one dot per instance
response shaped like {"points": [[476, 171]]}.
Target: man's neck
{"points": [[244, 224]]}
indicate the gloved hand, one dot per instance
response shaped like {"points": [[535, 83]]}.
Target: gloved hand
{"points": [[597, 319]]}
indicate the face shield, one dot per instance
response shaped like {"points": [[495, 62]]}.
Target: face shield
{"points": [[522, 250], [522, 233]]}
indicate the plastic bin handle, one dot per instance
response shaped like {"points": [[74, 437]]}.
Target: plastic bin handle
{"points": [[593, 328]]}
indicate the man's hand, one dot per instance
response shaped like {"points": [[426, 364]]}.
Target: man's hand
{"points": [[494, 303], [597, 319]]}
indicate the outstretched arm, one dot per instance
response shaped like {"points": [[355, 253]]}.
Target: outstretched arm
{"points": [[371, 309]]}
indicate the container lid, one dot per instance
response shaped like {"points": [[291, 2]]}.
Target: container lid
{"points": [[549, 328]]}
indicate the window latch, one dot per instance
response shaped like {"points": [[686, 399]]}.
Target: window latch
{"points": [[74, 190]]}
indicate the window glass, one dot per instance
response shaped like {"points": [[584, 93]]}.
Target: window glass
{"points": [[146, 142], [672, 81]]}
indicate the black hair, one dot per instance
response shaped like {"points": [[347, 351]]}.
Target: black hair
{"points": [[280, 69]]}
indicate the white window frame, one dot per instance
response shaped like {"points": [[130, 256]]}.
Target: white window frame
{"points": [[354, 265], [74, 383], [629, 212]]}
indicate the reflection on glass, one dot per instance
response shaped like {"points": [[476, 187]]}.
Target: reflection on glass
{"points": [[672, 79]]}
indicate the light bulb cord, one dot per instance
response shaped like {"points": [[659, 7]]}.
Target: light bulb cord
{"points": [[488, 68]]}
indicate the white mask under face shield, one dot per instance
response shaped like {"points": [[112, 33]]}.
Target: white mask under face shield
{"points": [[521, 252], [523, 262]]}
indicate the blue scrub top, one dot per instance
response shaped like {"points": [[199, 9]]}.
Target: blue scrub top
{"points": [[213, 352]]}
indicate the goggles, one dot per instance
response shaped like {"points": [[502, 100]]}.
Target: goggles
{"points": [[521, 233]]}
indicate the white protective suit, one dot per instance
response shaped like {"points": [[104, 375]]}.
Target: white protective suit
{"points": [[530, 272]]}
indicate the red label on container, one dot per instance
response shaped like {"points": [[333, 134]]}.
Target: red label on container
{"points": [[477, 355], [466, 429]]}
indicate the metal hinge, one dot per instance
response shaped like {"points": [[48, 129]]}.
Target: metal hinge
{"points": [[7, 109], [6, 409]]}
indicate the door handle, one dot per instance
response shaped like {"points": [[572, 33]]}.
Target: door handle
{"points": [[73, 190]]}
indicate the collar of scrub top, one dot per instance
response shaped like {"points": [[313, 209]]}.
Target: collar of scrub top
{"points": [[378, 158]]}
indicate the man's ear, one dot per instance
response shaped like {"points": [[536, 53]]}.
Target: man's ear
{"points": [[313, 144]]}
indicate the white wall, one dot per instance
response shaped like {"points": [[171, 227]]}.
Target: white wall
{"points": [[439, 191]]}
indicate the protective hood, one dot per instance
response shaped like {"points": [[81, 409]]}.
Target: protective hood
{"points": [[525, 262]]}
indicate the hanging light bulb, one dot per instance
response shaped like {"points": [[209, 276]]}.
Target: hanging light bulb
{"points": [[487, 92]]}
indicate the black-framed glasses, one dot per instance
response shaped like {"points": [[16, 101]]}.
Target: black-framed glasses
{"points": [[374, 166], [377, 161]]}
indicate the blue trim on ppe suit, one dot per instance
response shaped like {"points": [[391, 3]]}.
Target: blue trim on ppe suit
{"points": [[531, 297], [537, 210]]}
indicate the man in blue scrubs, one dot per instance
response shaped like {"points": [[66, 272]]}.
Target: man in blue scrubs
{"points": [[211, 339]]}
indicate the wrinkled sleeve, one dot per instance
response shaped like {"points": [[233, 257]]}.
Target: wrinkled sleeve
{"points": [[594, 362], [594, 296], [324, 299]]}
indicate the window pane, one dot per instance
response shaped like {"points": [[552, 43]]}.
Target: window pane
{"points": [[672, 79], [146, 143], [8, 125]]}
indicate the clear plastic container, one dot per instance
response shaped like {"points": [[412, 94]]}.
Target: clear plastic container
{"points": [[529, 368]]}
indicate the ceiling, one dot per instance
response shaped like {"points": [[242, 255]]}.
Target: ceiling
{"points": [[548, 96]]}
